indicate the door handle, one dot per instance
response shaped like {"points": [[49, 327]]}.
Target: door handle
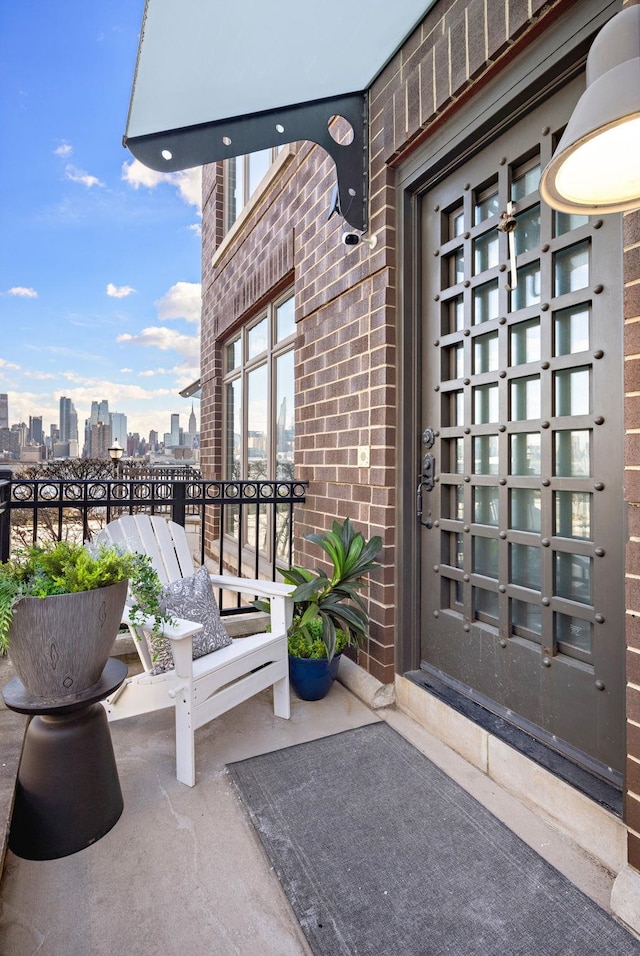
{"points": [[426, 483], [428, 477]]}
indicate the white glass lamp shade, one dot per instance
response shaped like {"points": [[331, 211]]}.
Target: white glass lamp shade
{"points": [[596, 166]]}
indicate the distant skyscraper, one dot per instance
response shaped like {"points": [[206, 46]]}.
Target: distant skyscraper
{"points": [[36, 433], [99, 416], [100, 440], [175, 430], [68, 420], [99, 412], [118, 423], [4, 410]]}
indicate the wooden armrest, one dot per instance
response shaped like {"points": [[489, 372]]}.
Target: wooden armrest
{"points": [[251, 586], [177, 631]]}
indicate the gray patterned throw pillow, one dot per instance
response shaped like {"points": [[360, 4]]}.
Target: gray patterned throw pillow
{"points": [[191, 599]]}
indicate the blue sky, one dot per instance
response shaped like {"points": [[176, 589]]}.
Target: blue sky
{"points": [[99, 256]]}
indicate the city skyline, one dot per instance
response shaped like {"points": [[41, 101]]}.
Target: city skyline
{"points": [[68, 414], [99, 256]]}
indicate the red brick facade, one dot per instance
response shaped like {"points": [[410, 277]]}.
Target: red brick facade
{"points": [[346, 301]]}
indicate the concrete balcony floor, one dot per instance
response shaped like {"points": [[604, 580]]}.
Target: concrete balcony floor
{"points": [[182, 870]]}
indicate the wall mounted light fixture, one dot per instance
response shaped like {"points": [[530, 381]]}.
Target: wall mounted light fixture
{"points": [[596, 166]]}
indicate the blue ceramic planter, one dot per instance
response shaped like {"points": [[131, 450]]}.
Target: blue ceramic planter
{"points": [[312, 679]]}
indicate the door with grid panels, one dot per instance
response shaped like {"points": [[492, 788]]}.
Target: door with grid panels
{"points": [[520, 488]]}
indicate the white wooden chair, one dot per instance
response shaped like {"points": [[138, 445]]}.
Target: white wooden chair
{"points": [[203, 689]]}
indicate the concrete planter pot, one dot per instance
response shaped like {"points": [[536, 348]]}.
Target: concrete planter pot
{"points": [[60, 644]]}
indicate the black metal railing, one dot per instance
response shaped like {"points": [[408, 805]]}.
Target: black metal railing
{"points": [[244, 528]]}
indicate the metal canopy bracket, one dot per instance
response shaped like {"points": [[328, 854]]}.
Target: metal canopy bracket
{"points": [[215, 79], [197, 145]]}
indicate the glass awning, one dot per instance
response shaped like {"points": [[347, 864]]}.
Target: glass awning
{"points": [[217, 79]]}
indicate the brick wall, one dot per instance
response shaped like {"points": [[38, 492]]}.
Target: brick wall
{"points": [[346, 298]]}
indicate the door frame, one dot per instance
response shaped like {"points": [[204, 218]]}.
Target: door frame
{"points": [[549, 61]]}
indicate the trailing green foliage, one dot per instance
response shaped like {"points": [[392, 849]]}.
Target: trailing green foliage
{"points": [[333, 602], [310, 643], [65, 568]]}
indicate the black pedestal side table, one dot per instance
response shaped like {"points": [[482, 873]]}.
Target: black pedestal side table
{"points": [[68, 793]]}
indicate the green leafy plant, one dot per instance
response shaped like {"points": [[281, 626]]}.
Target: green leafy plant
{"points": [[64, 568], [325, 605], [309, 642]]}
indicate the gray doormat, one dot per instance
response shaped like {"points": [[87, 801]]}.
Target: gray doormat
{"points": [[380, 853]]}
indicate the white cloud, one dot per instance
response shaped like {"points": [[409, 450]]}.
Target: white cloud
{"points": [[181, 301], [76, 175], [5, 364], [39, 376], [64, 150], [195, 228], [23, 292], [188, 182], [119, 291], [165, 339], [138, 175], [185, 374], [126, 371]]}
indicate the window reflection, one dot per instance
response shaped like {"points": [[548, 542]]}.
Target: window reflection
{"points": [[485, 302], [527, 233], [567, 222], [455, 267], [572, 391], [525, 398], [485, 252], [526, 566], [257, 413], [485, 604], [573, 577], [258, 338], [456, 223], [485, 404], [525, 509], [485, 353], [571, 268], [526, 616], [572, 633], [487, 205], [485, 504], [527, 292], [485, 455], [525, 342], [571, 330], [573, 453], [572, 514], [525, 182], [285, 420], [525, 453], [485, 556]]}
